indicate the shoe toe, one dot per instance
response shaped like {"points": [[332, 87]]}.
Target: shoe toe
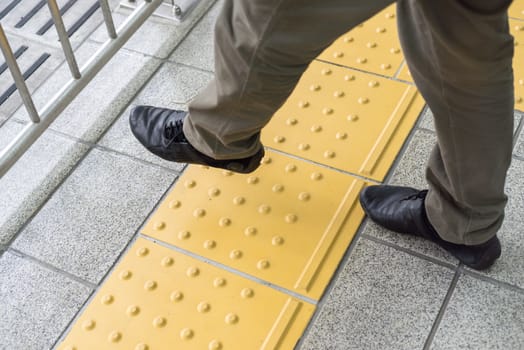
{"points": [[139, 124], [368, 198]]}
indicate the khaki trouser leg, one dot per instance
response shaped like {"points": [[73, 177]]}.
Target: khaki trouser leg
{"points": [[262, 47], [459, 53]]}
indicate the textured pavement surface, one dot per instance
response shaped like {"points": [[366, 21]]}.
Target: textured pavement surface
{"points": [[73, 204]]}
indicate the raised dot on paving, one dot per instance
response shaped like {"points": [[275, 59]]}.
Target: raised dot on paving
{"points": [[372, 46], [517, 30], [366, 125], [185, 313], [516, 10], [288, 223]]}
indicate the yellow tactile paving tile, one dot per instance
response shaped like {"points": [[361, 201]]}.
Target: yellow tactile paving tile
{"points": [[288, 223], [160, 299], [346, 119], [517, 30], [516, 10], [372, 46], [404, 73]]}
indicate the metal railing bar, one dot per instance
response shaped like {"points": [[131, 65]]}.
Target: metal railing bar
{"points": [[10, 60], [50, 23], [10, 154], [9, 7], [64, 39], [83, 19], [27, 74], [17, 54], [30, 14], [108, 19]]}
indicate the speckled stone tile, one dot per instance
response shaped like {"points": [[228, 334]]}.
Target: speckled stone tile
{"points": [[509, 267], [426, 121], [515, 190], [30, 181], [88, 221], [382, 299], [481, 316], [519, 144], [157, 37], [172, 87], [413, 243], [36, 304], [197, 48], [410, 170]]}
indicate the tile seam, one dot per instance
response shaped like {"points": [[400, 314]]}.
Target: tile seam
{"points": [[51, 267], [399, 69], [231, 270], [410, 252], [105, 149], [210, 4], [366, 72], [444, 306], [493, 281], [49, 196], [322, 165], [110, 270], [331, 285]]}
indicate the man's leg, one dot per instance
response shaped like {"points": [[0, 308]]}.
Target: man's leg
{"points": [[262, 47], [460, 55]]}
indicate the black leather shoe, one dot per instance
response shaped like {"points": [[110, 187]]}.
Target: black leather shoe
{"points": [[160, 131], [401, 209]]}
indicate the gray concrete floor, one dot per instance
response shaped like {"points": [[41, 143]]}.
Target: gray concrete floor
{"points": [[75, 201]]}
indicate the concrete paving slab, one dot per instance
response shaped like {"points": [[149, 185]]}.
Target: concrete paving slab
{"points": [[88, 221], [509, 268], [481, 315], [410, 171], [197, 48], [382, 299], [33, 178], [51, 58], [413, 243], [519, 144], [173, 85], [100, 103], [426, 121], [515, 190], [36, 304], [157, 37]]}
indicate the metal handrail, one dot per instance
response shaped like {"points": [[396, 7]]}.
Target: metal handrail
{"points": [[81, 77]]}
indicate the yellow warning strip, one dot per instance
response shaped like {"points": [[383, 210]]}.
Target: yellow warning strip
{"points": [[516, 10], [255, 252], [157, 298], [336, 116], [517, 30], [279, 224], [372, 46]]}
